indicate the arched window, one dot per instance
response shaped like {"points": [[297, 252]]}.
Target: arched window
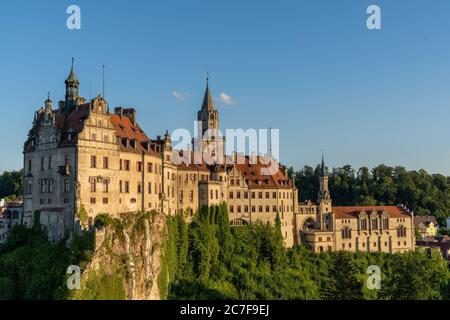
{"points": [[211, 116], [401, 231], [320, 249]]}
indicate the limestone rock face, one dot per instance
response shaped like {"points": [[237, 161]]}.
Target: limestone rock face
{"points": [[131, 246]]}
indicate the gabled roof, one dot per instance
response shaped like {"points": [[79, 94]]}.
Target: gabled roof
{"points": [[253, 175], [126, 129], [352, 212], [425, 220]]}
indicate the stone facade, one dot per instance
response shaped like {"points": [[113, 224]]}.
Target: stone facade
{"points": [[323, 227], [82, 160]]}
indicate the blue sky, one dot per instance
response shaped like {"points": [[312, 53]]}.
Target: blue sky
{"points": [[310, 68]]}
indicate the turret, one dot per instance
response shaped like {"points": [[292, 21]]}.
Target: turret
{"points": [[72, 87]]}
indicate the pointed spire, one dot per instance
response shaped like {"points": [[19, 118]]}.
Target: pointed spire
{"points": [[72, 77], [208, 103], [323, 171]]}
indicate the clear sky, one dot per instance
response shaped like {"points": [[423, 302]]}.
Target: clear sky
{"points": [[308, 67]]}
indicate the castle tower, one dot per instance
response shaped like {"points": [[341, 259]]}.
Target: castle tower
{"points": [[208, 116], [324, 197], [72, 87]]}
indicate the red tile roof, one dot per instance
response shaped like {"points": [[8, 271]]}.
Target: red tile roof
{"points": [[352, 212], [253, 175]]}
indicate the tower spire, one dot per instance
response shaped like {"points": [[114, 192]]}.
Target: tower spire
{"points": [[72, 87], [323, 169], [208, 103]]}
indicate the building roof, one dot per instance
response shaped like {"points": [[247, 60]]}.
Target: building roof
{"points": [[125, 129], [425, 220], [352, 212], [208, 103], [253, 175]]}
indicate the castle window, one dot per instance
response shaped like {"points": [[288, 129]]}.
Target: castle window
{"points": [[50, 186], [245, 195], [105, 200], [149, 167], [29, 187], [42, 163], [363, 224], [50, 162], [274, 209], [231, 209], [66, 185], [253, 195], [239, 209], [246, 209], [93, 161], [105, 163], [253, 209], [231, 195], [93, 184], [217, 194], [139, 166], [120, 186], [374, 224], [105, 185], [274, 195], [92, 200], [401, 231], [191, 195], [260, 209], [94, 137], [139, 187], [43, 183], [260, 194], [267, 195], [238, 195], [386, 224], [127, 187], [29, 166], [127, 165], [346, 233], [267, 208], [149, 188]]}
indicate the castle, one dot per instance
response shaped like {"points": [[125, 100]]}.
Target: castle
{"points": [[81, 160]]}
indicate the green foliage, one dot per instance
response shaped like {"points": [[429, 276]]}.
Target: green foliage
{"points": [[11, 184], [31, 268], [426, 194], [101, 285], [250, 262], [82, 215]]}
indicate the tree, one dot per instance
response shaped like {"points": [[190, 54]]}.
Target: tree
{"points": [[342, 282]]}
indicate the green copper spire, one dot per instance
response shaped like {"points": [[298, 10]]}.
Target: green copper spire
{"points": [[72, 77]]}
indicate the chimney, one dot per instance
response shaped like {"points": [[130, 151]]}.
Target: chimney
{"points": [[118, 111], [130, 113]]}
